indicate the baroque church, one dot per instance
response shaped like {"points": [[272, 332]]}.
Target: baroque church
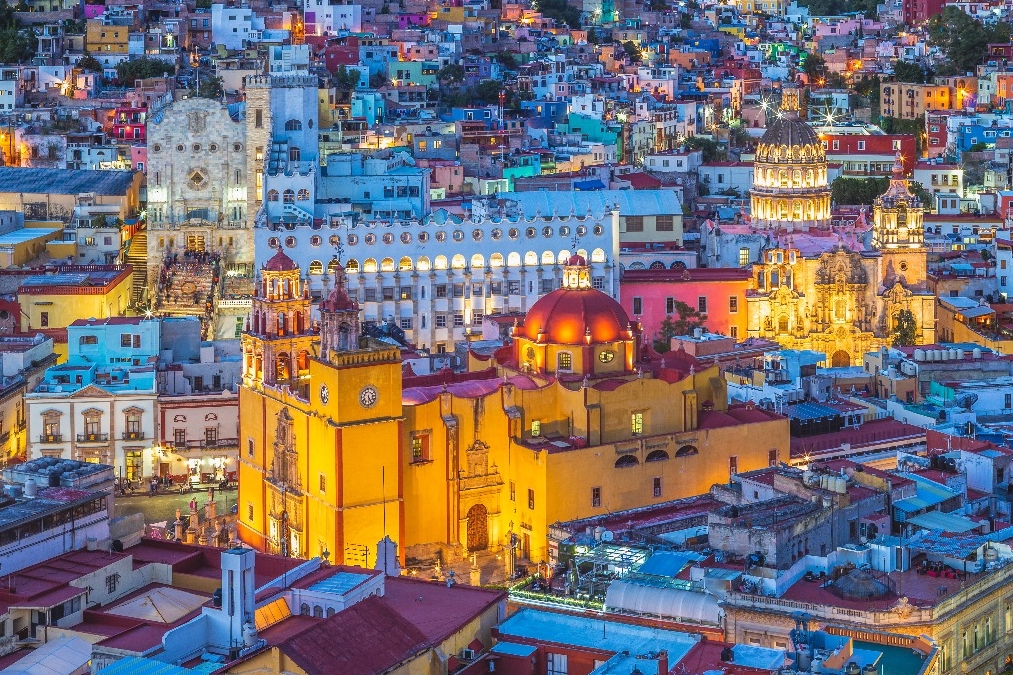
{"points": [[342, 448], [835, 289]]}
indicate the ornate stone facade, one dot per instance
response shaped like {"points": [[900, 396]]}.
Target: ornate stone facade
{"points": [[846, 301], [200, 237]]}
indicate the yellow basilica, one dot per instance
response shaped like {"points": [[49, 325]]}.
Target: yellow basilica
{"points": [[573, 419]]}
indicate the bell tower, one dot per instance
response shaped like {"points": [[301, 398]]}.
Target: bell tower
{"points": [[898, 230], [339, 319], [279, 338]]}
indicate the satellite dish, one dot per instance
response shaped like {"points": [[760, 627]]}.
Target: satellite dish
{"points": [[607, 535]]}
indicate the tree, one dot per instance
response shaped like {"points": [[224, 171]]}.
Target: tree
{"points": [[487, 91], [905, 330], [451, 73], [507, 60], [814, 66], [964, 40], [210, 86], [142, 68], [89, 63], [923, 195], [854, 191], [905, 71], [980, 146], [377, 80], [711, 149], [632, 52], [559, 10], [346, 80], [688, 319], [17, 44]]}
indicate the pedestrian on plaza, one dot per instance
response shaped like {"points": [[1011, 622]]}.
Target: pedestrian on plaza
{"points": [[154, 487], [193, 505], [211, 492]]}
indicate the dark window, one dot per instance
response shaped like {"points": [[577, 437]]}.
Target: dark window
{"points": [[657, 486], [669, 306], [638, 305], [531, 498], [441, 290], [701, 304], [634, 223], [595, 497]]}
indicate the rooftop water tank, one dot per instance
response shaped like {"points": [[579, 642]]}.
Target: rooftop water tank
{"points": [[31, 488], [976, 353], [919, 355]]}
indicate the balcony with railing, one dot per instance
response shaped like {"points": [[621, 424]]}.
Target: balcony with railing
{"points": [[50, 438], [203, 444], [92, 438], [133, 435]]}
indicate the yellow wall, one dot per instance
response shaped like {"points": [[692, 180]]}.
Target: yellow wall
{"points": [[65, 308], [107, 39], [357, 458]]}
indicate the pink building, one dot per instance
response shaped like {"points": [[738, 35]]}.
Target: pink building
{"points": [[649, 296], [444, 173]]}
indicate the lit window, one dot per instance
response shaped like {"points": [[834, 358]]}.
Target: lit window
{"points": [[536, 428], [637, 423], [743, 256], [564, 361]]}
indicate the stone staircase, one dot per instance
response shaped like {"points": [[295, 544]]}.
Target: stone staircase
{"points": [[137, 255]]}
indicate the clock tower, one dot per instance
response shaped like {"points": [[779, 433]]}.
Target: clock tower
{"points": [[341, 433]]}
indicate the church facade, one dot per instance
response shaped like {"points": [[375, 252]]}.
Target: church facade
{"points": [[838, 289], [571, 420]]}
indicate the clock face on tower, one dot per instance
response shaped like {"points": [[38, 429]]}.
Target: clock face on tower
{"points": [[368, 396], [606, 356], [325, 394]]}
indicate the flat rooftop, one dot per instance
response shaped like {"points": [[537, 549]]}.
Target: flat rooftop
{"points": [[627, 641], [65, 181]]}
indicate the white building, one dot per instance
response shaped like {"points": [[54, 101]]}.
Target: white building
{"points": [[12, 88], [326, 18], [438, 277], [232, 26]]}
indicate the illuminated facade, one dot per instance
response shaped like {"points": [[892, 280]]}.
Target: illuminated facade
{"points": [[569, 422], [845, 299], [790, 187]]}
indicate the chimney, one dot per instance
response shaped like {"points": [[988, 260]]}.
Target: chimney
{"points": [[663, 662]]}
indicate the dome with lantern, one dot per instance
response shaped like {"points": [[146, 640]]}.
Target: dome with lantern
{"points": [[790, 186], [576, 329]]}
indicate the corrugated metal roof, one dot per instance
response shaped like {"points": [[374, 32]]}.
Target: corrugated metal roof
{"points": [[946, 522], [65, 181]]}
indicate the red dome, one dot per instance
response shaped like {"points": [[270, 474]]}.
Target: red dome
{"points": [[566, 314], [576, 260], [280, 262]]}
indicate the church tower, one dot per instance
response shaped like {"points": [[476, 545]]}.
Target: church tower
{"points": [[790, 189], [339, 318], [279, 337], [898, 231]]}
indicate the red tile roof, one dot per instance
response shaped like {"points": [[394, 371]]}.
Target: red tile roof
{"points": [[436, 610], [870, 433], [368, 637]]}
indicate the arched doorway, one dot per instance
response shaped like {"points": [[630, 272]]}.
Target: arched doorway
{"points": [[478, 528], [840, 359]]}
